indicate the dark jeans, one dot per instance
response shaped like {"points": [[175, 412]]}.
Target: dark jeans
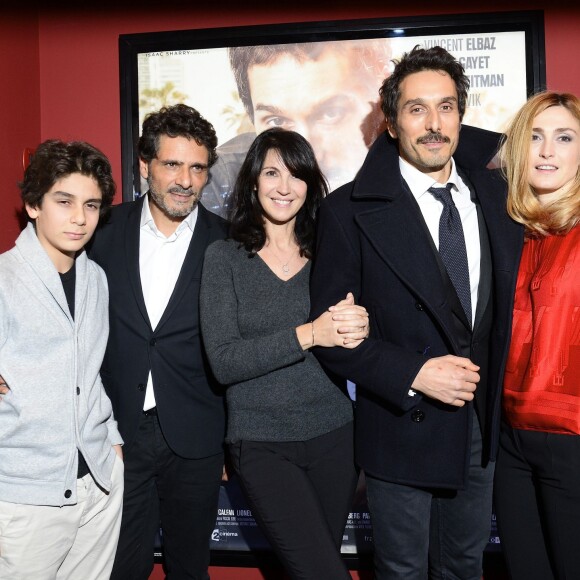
{"points": [[425, 533], [537, 502], [164, 489], [300, 494]]}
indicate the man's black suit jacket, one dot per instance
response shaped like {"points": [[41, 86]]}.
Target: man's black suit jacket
{"points": [[190, 405], [373, 241]]}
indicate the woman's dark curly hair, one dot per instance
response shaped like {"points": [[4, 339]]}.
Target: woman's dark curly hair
{"points": [[247, 216], [54, 160]]}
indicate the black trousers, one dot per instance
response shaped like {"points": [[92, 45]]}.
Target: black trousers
{"points": [[163, 489], [300, 494], [438, 534], [537, 503]]}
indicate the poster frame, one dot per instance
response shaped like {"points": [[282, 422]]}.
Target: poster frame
{"points": [[131, 45]]}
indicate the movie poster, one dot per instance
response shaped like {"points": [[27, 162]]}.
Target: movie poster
{"points": [[327, 91]]}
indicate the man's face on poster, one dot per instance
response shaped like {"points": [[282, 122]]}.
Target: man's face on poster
{"points": [[331, 100]]}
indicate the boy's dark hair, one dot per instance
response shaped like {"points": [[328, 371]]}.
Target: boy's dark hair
{"points": [[55, 159], [176, 121], [417, 60], [247, 220]]}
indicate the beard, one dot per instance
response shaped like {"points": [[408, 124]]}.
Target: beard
{"points": [[173, 211], [432, 160]]}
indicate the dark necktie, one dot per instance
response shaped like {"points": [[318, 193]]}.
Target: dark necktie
{"points": [[452, 246]]}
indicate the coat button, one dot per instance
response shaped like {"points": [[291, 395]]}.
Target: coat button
{"points": [[417, 416], [67, 493], [419, 306], [153, 342], [78, 390], [141, 386]]}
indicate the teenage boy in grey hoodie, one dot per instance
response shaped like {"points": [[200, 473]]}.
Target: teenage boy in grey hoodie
{"points": [[61, 469]]}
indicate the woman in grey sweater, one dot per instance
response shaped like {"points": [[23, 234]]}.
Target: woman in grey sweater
{"points": [[289, 425]]}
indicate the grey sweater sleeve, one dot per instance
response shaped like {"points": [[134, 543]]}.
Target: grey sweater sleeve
{"points": [[232, 357]]}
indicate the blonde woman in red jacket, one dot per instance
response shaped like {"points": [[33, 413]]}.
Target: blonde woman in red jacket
{"points": [[537, 485]]}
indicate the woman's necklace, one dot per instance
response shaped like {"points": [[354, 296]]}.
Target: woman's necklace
{"points": [[285, 266]]}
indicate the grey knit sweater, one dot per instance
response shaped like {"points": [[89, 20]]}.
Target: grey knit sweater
{"points": [[276, 391], [56, 404]]}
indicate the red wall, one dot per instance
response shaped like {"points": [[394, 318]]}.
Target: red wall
{"points": [[19, 111], [66, 77], [59, 69]]}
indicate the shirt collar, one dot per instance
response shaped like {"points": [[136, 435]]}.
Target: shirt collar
{"points": [[419, 182], [147, 221]]}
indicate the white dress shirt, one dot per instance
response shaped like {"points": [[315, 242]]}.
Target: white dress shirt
{"points": [[431, 208], [160, 262]]}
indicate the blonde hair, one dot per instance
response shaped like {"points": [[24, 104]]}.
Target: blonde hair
{"points": [[523, 206]]}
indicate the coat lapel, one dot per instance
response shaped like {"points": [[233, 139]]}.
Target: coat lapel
{"points": [[485, 267], [81, 287], [132, 239], [38, 260], [506, 237], [400, 237], [485, 270], [191, 264]]}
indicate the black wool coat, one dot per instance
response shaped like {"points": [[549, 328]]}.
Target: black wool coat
{"points": [[372, 241]]}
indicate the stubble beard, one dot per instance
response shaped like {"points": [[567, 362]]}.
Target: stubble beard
{"points": [[437, 160], [173, 211]]}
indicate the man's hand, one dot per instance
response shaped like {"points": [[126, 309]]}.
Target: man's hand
{"points": [[4, 388], [449, 379], [354, 320], [118, 450]]}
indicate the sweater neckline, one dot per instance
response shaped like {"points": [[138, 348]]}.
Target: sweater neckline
{"points": [[282, 280]]}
